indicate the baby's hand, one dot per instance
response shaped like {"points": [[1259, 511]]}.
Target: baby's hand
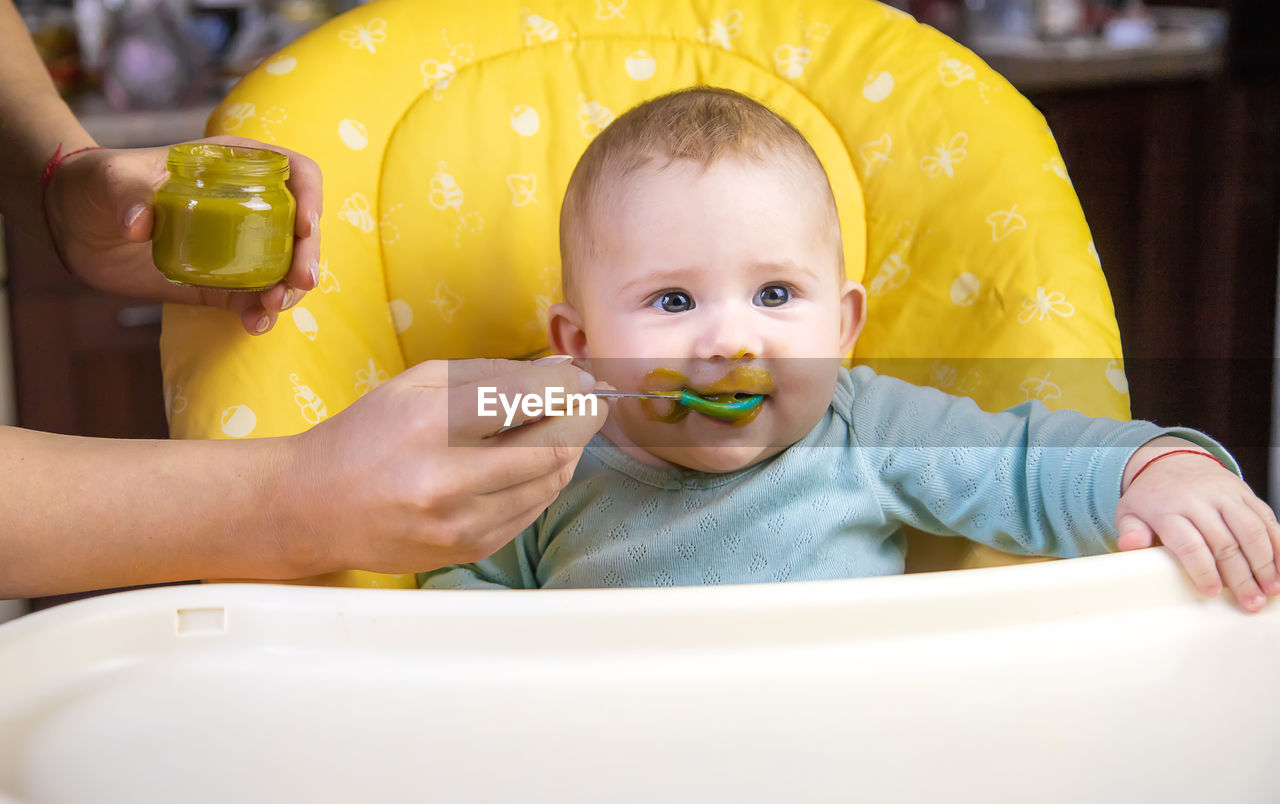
{"points": [[1206, 515]]}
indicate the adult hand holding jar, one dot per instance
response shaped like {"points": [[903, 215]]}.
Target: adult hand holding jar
{"points": [[95, 206], [385, 485], [101, 215]]}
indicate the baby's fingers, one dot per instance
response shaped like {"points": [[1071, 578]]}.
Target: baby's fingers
{"points": [[1233, 560], [1134, 533], [1193, 553], [1251, 531], [1268, 518]]}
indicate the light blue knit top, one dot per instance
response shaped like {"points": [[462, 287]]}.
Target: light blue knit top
{"points": [[885, 455]]}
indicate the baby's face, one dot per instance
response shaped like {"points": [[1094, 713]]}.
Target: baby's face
{"points": [[717, 280]]}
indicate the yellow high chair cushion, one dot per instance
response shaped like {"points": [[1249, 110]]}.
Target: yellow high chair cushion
{"points": [[447, 133]]}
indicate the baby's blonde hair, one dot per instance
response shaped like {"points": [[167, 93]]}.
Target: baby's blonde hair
{"points": [[699, 124]]}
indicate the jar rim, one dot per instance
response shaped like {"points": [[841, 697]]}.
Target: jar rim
{"points": [[214, 160]]}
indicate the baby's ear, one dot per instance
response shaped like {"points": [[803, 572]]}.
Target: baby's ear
{"points": [[853, 314], [566, 332]]}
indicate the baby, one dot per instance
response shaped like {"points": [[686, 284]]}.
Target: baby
{"points": [[701, 250]]}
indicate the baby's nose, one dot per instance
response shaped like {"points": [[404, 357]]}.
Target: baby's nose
{"points": [[730, 335]]}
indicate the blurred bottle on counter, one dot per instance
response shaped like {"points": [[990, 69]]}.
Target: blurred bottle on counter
{"points": [[161, 53], [149, 61], [53, 29], [1056, 20], [1018, 25], [1123, 24], [92, 20], [266, 26], [991, 24]]}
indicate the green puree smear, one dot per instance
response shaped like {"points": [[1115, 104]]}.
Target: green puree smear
{"points": [[738, 408]]}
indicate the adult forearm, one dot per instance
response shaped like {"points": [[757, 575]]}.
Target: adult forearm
{"points": [[33, 120], [80, 513]]}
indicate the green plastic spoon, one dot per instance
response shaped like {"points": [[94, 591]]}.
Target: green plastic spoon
{"points": [[726, 410]]}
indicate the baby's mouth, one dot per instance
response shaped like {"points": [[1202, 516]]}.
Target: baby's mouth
{"points": [[745, 380], [732, 409], [736, 398]]}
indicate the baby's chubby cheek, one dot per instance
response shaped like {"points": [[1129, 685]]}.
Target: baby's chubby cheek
{"points": [[799, 404]]}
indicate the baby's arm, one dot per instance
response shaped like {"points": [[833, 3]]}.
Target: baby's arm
{"points": [[462, 576], [1205, 514], [1026, 481], [1030, 481], [514, 566]]}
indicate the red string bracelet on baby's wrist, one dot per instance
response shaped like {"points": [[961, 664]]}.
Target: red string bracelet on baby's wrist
{"points": [[45, 178], [1162, 456]]}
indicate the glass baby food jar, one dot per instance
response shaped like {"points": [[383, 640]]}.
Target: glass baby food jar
{"points": [[224, 219]]}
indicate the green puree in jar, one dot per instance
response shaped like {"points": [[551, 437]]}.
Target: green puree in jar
{"points": [[225, 218]]}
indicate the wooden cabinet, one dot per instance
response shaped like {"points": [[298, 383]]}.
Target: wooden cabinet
{"points": [[1180, 183], [85, 363]]}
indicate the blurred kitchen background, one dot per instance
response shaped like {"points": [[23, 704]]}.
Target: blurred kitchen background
{"points": [[1167, 115], [139, 54]]}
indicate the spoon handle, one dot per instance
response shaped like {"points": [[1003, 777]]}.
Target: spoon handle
{"points": [[637, 395]]}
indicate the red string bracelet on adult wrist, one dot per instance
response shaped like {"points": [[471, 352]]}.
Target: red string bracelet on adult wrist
{"points": [[57, 159], [1162, 456], [45, 178]]}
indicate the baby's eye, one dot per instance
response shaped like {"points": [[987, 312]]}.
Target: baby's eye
{"points": [[773, 296], [674, 301]]}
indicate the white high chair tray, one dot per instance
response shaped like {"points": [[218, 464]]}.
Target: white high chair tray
{"points": [[1098, 679]]}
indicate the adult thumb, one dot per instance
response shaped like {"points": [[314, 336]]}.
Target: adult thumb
{"points": [[131, 180], [137, 217]]}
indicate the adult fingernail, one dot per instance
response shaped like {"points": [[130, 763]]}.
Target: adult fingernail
{"points": [[314, 268], [264, 324], [315, 223], [133, 213], [553, 360], [290, 299], [588, 382]]}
